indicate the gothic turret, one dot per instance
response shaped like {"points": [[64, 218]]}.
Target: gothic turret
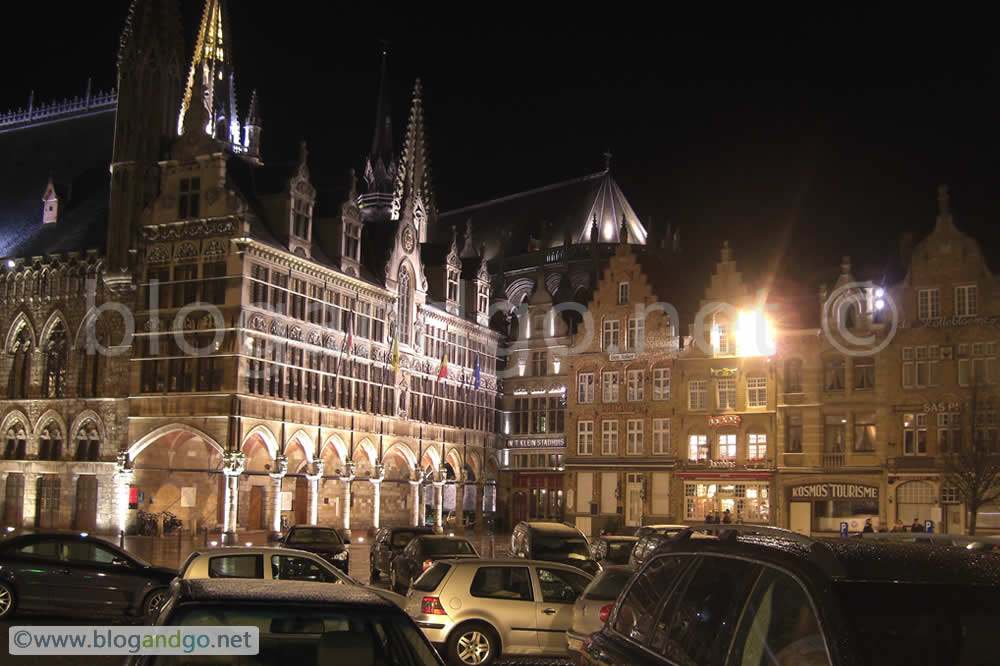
{"points": [[213, 62], [149, 81], [413, 180], [380, 165], [252, 128]]}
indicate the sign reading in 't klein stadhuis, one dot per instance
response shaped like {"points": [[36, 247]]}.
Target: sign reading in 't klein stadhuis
{"points": [[835, 491]]}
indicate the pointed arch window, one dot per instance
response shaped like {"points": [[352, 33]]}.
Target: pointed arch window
{"points": [[20, 371], [50, 442], [405, 304], [90, 363], [88, 443], [54, 380], [16, 443]]}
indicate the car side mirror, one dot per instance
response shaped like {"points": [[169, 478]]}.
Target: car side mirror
{"points": [[121, 562]]}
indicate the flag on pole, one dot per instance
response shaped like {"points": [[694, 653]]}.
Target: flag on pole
{"points": [[476, 383], [350, 330], [443, 370], [395, 353]]}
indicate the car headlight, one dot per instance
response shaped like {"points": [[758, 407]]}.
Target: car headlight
{"points": [[342, 555]]}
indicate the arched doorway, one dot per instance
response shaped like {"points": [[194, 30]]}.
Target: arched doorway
{"points": [[300, 502], [395, 496], [47, 509], [85, 516], [518, 506]]}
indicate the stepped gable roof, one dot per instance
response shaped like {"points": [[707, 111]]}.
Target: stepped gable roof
{"points": [[544, 217], [75, 154]]}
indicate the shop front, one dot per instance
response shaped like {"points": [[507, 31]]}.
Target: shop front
{"points": [[746, 496], [823, 505]]}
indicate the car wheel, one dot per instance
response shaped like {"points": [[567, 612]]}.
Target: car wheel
{"points": [[473, 644], [372, 571], [154, 600], [7, 600]]}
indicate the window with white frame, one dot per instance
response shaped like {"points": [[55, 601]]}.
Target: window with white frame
{"points": [[539, 363], [909, 376], [633, 444], [724, 344], [756, 392], [986, 430], [864, 432], [609, 386], [949, 431], [609, 438], [864, 373], [727, 446], [661, 383], [636, 332], [697, 448], [635, 385], [585, 387], [697, 394], [914, 434], [585, 438], [726, 389], [623, 294], [756, 446], [661, 436], [928, 303], [966, 301], [950, 495], [612, 330]]}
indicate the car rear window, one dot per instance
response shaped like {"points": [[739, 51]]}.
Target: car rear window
{"points": [[549, 547], [607, 586], [236, 566], [431, 578], [901, 624], [619, 551], [448, 547]]}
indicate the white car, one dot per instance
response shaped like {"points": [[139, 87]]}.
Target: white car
{"points": [[263, 563]]}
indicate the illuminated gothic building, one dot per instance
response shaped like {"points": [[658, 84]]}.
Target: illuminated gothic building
{"points": [[216, 335]]}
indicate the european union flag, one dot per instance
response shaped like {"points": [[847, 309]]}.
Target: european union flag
{"points": [[476, 385]]}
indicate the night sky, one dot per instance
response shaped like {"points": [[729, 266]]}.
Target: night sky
{"points": [[798, 136]]}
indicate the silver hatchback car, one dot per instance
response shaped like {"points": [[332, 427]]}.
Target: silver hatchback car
{"points": [[476, 610]]}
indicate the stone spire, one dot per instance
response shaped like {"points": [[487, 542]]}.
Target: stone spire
{"points": [[468, 249], [213, 63], [380, 165], [413, 179], [252, 127]]}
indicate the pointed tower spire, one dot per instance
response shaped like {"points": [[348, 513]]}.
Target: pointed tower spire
{"points": [[252, 127], [413, 180], [380, 164], [212, 62]]}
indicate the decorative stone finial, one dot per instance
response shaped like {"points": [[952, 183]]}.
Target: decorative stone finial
{"points": [[943, 201], [725, 251], [845, 265], [594, 230], [623, 232]]}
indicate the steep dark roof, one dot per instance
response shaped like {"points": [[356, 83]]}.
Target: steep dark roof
{"points": [[76, 154]]}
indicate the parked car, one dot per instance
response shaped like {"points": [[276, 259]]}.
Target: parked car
{"points": [[265, 563], [770, 596], [387, 544], [591, 610], [553, 542], [301, 623], [659, 529], [651, 540], [989, 543], [612, 549], [476, 610], [73, 572], [326, 542], [421, 553]]}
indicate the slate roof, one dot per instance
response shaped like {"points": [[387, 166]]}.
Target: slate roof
{"points": [[75, 153]]}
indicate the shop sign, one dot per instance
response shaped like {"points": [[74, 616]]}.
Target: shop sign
{"points": [[941, 322], [727, 420], [536, 443], [942, 406], [723, 372], [624, 356], [835, 491], [721, 464]]}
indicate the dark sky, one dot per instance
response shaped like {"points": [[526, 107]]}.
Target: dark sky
{"points": [[797, 134]]}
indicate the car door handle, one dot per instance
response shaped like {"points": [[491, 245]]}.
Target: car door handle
{"points": [[65, 571], [549, 611]]}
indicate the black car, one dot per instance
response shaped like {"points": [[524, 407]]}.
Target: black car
{"points": [[387, 544], [421, 553], [300, 623], [326, 542], [770, 596], [77, 573], [610, 549], [553, 542]]}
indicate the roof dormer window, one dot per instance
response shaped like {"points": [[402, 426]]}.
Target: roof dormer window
{"points": [[189, 198], [301, 217], [352, 241], [452, 285]]}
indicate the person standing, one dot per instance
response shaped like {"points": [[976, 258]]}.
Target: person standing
{"points": [[916, 526], [868, 529], [709, 518], [726, 517]]}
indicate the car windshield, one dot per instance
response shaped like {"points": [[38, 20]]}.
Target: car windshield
{"points": [[607, 586], [618, 551], [447, 547], [314, 535], [546, 547], [305, 635], [402, 538], [903, 624]]}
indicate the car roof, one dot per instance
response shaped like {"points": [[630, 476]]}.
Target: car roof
{"points": [[247, 589], [251, 550], [547, 526], [442, 537], [616, 537], [422, 528], [662, 527], [510, 562], [62, 534]]}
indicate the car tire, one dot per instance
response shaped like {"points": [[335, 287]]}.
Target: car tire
{"points": [[8, 600], [154, 601], [373, 573], [473, 644]]}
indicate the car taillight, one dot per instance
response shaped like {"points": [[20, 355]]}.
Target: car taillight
{"points": [[431, 606], [427, 564], [605, 611]]}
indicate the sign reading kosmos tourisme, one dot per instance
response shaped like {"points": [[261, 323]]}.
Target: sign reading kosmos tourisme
{"points": [[835, 491]]}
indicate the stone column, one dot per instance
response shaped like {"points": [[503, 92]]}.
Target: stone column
{"points": [[346, 479], [233, 463], [277, 474], [417, 502], [459, 507], [317, 474], [119, 501], [378, 474], [442, 475], [479, 509]]}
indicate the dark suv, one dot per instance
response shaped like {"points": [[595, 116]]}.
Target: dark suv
{"points": [[553, 542], [768, 596], [387, 544]]}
